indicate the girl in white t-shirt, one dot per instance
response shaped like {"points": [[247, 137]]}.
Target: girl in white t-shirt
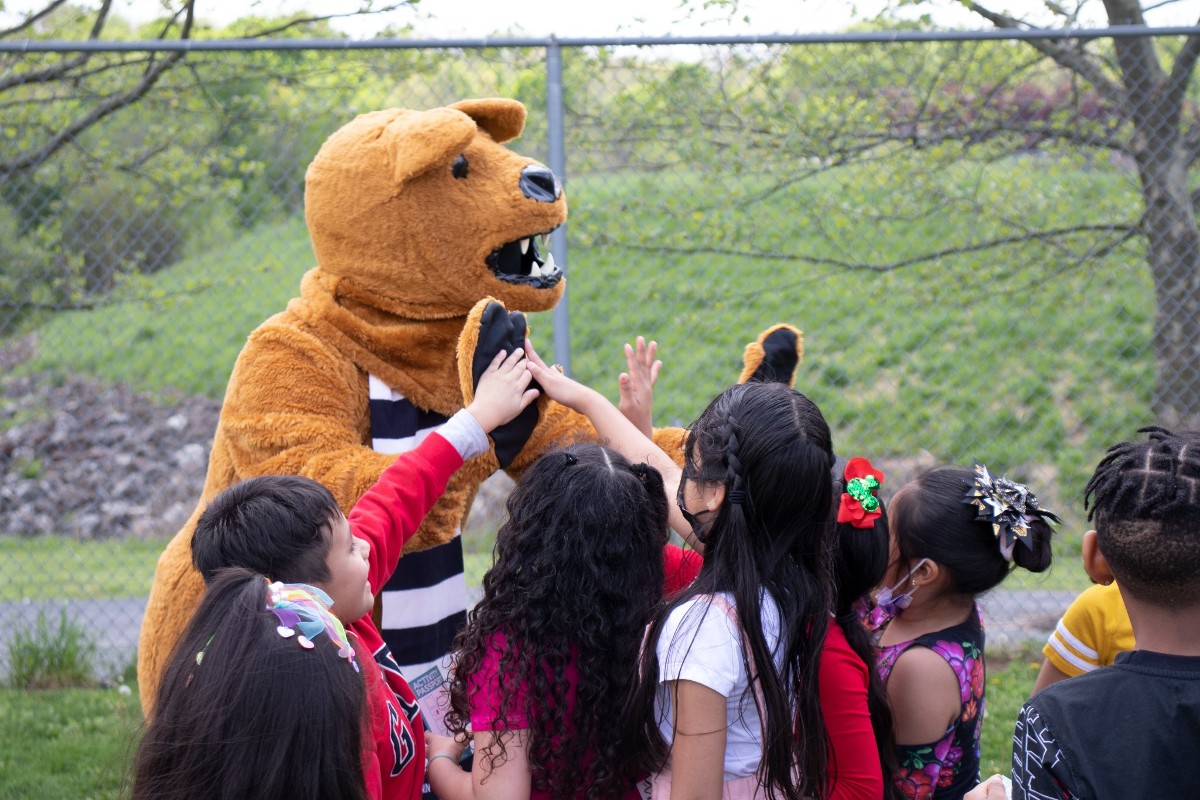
{"points": [[729, 671]]}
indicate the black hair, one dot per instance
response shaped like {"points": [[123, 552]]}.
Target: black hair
{"points": [[277, 525], [771, 444], [930, 520], [860, 560], [257, 715], [578, 573], [1145, 500]]}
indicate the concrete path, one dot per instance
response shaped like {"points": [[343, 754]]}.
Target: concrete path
{"points": [[1011, 616]]}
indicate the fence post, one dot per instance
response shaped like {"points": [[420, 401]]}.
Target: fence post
{"points": [[558, 163]]}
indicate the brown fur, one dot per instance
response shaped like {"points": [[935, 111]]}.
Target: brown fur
{"points": [[401, 247]]}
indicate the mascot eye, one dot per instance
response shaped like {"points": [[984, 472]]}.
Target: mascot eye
{"points": [[459, 170]]}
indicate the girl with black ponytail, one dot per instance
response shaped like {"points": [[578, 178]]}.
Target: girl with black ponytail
{"points": [[853, 699], [728, 670]]}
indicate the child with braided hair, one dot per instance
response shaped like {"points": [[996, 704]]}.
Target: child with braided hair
{"points": [[853, 703], [725, 666], [956, 533], [1144, 500]]}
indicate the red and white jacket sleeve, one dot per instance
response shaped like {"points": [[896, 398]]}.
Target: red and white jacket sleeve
{"points": [[390, 512]]}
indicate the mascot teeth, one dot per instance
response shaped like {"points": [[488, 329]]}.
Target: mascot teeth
{"points": [[521, 261]]}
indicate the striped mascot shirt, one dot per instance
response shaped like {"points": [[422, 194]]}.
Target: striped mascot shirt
{"points": [[425, 601]]}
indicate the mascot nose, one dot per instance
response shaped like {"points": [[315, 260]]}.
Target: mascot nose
{"points": [[538, 183]]}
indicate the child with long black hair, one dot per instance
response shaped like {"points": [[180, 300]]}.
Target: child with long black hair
{"points": [[853, 700], [262, 697], [956, 533], [545, 668], [728, 669]]}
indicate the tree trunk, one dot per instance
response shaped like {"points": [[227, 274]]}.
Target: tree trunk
{"points": [[1155, 107], [1173, 251]]}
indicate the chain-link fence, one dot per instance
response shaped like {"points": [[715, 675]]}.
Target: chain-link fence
{"points": [[989, 243]]}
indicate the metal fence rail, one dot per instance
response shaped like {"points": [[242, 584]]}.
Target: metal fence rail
{"points": [[957, 220]]}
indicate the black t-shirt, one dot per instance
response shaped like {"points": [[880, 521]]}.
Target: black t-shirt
{"points": [[1127, 731]]}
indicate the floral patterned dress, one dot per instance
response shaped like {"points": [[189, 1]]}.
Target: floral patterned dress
{"points": [[948, 768]]}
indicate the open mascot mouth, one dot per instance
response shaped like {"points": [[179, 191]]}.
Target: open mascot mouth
{"points": [[521, 262]]}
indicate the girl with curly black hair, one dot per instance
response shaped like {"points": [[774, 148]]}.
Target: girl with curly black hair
{"points": [[545, 669], [726, 680]]}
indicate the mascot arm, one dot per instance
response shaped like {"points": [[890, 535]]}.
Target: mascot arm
{"points": [[295, 407]]}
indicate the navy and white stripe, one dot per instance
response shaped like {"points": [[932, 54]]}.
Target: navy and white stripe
{"points": [[425, 601]]}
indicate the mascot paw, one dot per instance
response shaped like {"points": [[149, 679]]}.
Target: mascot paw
{"points": [[491, 328], [773, 356]]}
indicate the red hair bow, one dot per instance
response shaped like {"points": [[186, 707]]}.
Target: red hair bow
{"points": [[859, 506]]}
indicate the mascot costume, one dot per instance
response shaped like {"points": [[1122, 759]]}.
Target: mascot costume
{"points": [[425, 230]]}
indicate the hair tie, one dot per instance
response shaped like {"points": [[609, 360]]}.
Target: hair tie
{"points": [[1009, 507], [737, 497], [859, 504], [570, 458], [850, 617], [303, 613]]}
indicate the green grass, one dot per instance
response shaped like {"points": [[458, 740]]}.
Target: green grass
{"points": [[75, 743], [188, 323], [67, 743], [51, 658], [1009, 684], [55, 567], [1022, 359]]}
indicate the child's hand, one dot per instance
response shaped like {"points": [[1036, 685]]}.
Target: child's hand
{"points": [[637, 385], [991, 789], [554, 383], [503, 391]]}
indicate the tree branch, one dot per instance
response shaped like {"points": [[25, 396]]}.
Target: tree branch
{"points": [[1047, 236], [32, 19], [1181, 72], [59, 70], [1074, 60], [98, 112], [361, 12]]}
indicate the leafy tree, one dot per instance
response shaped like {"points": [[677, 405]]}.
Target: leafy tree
{"points": [[111, 158]]}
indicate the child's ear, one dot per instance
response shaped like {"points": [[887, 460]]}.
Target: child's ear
{"points": [[927, 573], [1094, 562]]}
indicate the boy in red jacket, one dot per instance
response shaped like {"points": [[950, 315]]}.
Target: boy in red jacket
{"points": [[290, 529]]}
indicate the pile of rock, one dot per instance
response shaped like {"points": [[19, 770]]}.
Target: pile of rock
{"points": [[89, 460]]}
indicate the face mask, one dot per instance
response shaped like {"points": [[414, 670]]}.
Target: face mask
{"points": [[888, 604], [698, 521]]}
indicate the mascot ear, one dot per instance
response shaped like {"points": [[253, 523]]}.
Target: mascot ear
{"points": [[502, 119], [421, 140], [489, 329], [773, 356]]}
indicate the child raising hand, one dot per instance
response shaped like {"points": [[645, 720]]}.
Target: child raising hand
{"points": [[289, 528]]}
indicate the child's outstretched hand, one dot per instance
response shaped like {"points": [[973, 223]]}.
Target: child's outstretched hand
{"points": [[637, 385], [503, 391], [555, 384]]}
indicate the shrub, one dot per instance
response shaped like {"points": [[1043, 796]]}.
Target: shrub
{"points": [[117, 226], [45, 658]]}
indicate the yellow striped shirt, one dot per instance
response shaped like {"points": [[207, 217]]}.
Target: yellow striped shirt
{"points": [[1092, 631]]}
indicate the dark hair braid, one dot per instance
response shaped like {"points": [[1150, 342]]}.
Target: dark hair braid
{"points": [[1145, 500], [771, 450]]}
